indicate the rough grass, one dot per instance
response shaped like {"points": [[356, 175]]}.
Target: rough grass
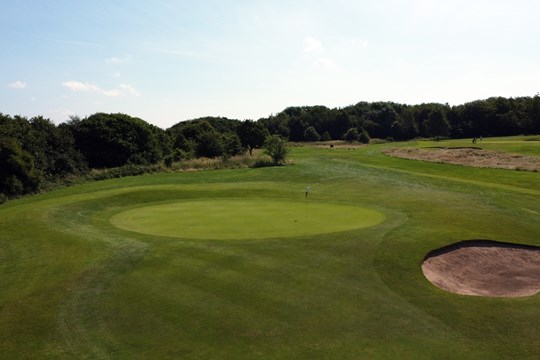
{"points": [[469, 157], [72, 285], [234, 162]]}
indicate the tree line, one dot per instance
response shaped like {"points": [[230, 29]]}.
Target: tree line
{"points": [[35, 153], [495, 116]]}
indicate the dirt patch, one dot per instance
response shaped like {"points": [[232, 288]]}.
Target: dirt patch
{"points": [[485, 268], [472, 156]]}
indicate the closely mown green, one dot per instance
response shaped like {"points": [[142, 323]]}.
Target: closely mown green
{"points": [[75, 286], [245, 218]]}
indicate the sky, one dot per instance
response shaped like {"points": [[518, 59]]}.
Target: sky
{"points": [[169, 61]]}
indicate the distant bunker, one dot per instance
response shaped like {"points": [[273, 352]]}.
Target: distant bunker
{"points": [[245, 218], [485, 268]]}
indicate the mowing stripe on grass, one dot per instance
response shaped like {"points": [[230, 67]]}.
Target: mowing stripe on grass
{"points": [[466, 181]]}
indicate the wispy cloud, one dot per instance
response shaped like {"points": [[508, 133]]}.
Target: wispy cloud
{"points": [[79, 86], [311, 45], [123, 89], [325, 63], [81, 43], [119, 59], [18, 85], [184, 53], [128, 89]]}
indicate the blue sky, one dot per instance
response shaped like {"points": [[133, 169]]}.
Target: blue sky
{"points": [[168, 61]]}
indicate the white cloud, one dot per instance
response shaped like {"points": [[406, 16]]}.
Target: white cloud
{"points": [[79, 86], [325, 63], [311, 45], [112, 93], [124, 89], [128, 89], [18, 85], [119, 60], [185, 53]]}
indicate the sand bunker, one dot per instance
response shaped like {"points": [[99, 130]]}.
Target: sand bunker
{"points": [[485, 268]]}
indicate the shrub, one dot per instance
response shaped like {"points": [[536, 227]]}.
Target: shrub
{"points": [[310, 134], [275, 146], [326, 136], [351, 135], [364, 137]]}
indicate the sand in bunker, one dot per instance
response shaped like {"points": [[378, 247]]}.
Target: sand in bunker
{"points": [[485, 268]]}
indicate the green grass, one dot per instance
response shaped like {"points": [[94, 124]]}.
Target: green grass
{"points": [[245, 218], [526, 145], [75, 285]]}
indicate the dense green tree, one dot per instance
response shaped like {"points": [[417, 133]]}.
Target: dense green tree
{"points": [[18, 174], [252, 135], [52, 148], [188, 146], [276, 147], [297, 127], [351, 135], [381, 118], [437, 125], [193, 130], [210, 144], [342, 123], [16, 127], [479, 114], [276, 125], [208, 137], [533, 113], [326, 136], [111, 140], [363, 137], [231, 144], [310, 134]]}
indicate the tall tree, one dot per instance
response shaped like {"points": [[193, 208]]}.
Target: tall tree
{"points": [[437, 124], [252, 135], [311, 134], [110, 140], [18, 174]]}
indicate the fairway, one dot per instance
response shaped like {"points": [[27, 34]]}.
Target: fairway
{"points": [[239, 264], [230, 219]]}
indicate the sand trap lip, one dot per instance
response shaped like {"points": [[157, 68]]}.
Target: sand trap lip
{"points": [[485, 268]]}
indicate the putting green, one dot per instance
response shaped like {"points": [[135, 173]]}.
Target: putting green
{"points": [[245, 218]]}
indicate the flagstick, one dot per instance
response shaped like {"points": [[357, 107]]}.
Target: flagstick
{"points": [[308, 189]]}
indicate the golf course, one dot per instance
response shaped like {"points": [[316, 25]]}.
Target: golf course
{"points": [[318, 259]]}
